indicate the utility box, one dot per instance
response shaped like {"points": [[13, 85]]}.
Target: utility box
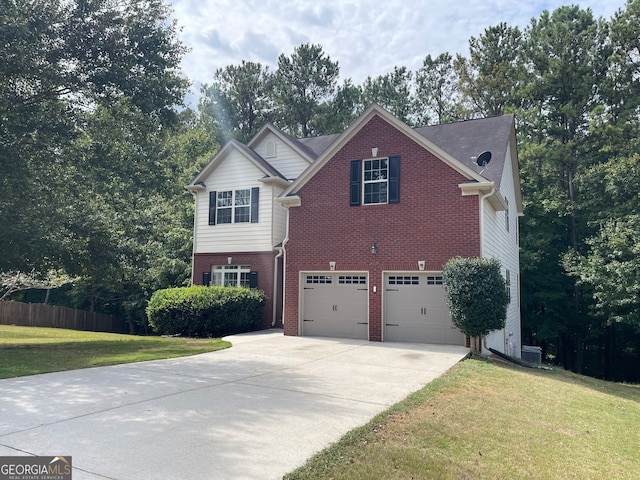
{"points": [[532, 354]]}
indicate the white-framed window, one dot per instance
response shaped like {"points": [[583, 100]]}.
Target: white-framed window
{"points": [[231, 275], [375, 184], [234, 206]]}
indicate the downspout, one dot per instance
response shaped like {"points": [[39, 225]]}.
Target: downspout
{"points": [[482, 199], [283, 251], [275, 284]]}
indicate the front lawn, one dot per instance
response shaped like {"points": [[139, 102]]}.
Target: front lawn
{"points": [[484, 420], [32, 350]]}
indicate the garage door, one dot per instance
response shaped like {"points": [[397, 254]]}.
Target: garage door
{"points": [[335, 305], [415, 310]]}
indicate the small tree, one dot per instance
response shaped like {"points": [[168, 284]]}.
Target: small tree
{"points": [[477, 296]]}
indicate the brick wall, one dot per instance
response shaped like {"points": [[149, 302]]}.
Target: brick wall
{"points": [[261, 262], [433, 221]]}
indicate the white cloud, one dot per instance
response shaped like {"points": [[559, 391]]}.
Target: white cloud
{"points": [[366, 37]]}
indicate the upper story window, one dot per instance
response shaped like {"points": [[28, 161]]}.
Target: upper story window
{"points": [[376, 178], [375, 181], [233, 206]]}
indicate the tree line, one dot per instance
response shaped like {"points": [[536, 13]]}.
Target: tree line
{"points": [[95, 151]]}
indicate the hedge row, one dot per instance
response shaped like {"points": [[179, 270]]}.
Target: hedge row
{"points": [[200, 311]]}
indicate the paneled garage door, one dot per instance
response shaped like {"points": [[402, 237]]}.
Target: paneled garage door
{"points": [[415, 310], [335, 305]]}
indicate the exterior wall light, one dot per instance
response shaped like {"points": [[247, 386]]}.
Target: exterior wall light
{"points": [[421, 264], [332, 266], [374, 247]]}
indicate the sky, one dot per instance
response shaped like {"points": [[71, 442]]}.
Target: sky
{"points": [[365, 37]]}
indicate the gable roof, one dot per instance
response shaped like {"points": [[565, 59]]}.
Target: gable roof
{"points": [[268, 169], [376, 110], [319, 144], [467, 139], [300, 147]]}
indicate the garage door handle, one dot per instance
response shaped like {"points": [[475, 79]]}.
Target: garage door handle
{"points": [[393, 289], [391, 324], [363, 289], [308, 288], [363, 323], [305, 320]]}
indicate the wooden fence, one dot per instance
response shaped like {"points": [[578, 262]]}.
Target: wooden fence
{"points": [[40, 315]]}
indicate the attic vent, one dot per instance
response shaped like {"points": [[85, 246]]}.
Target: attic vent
{"points": [[271, 149]]}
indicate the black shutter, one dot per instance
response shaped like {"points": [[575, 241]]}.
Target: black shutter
{"points": [[254, 204], [253, 279], [212, 207], [206, 278], [356, 172], [394, 179]]}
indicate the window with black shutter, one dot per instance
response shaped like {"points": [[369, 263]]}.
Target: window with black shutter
{"points": [[234, 206], [375, 181]]}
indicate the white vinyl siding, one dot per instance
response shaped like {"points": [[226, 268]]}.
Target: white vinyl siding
{"points": [[502, 243], [279, 223], [235, 172], [286, 160]]}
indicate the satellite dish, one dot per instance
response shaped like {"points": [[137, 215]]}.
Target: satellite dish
{"points": [[483, 159]]}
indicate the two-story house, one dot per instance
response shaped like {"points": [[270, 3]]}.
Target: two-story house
{"points": [[348, 233]]}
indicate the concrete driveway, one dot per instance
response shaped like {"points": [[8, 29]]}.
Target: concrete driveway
{"points": [[254, 411]]}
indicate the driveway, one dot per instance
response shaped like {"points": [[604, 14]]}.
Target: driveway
{"points": [[254, 411]]}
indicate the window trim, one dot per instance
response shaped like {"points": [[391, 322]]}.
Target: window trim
{"points": [[384, 181], [218, 275], [356, 176], [253, 205]]}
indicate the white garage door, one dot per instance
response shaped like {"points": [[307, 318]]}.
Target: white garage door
{"points": [[335, 305], [415, 310]]}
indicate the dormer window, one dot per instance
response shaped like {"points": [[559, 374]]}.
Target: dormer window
{"points": [[271, 149]]}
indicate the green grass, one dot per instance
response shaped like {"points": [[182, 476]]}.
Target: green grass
{"points": [[484, 420], [33, 350]]}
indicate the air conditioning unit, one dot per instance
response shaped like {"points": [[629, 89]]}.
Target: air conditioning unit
{"points": [[532, 354]]}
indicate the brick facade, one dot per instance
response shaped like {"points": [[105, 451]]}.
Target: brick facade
{"points": [[433, 221], [261, 262]]}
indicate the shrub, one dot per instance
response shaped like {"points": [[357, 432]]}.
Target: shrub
{"points": [[200, 311], [477, 295]]}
